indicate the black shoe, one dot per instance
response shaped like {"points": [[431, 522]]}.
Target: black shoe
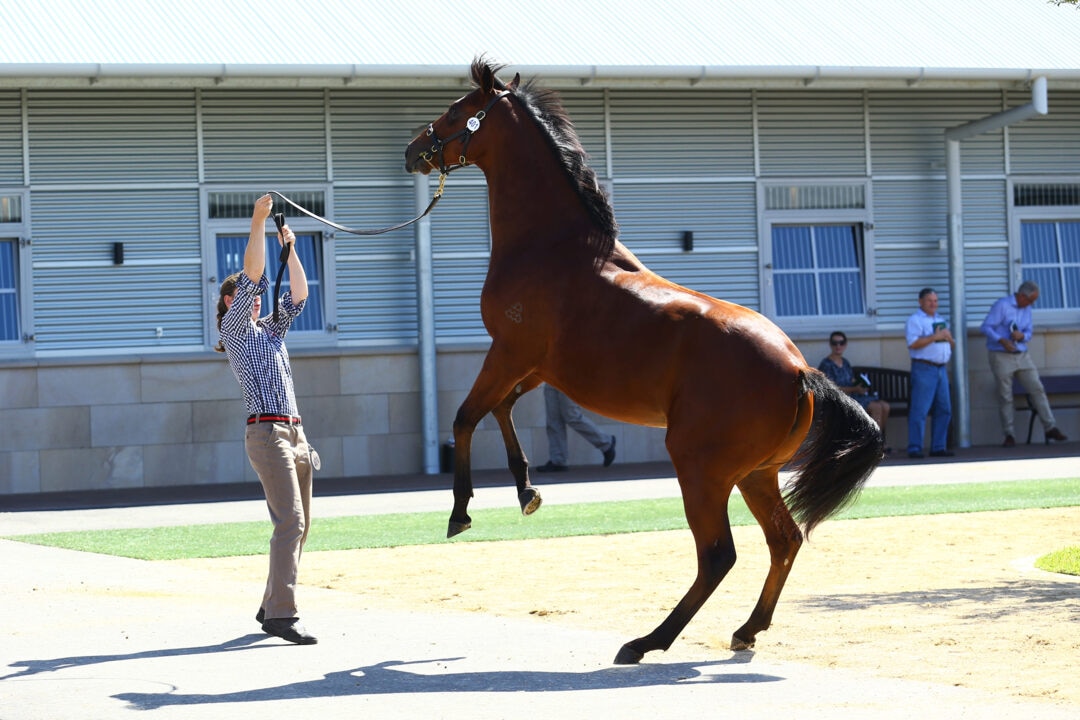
{"points": [[551, 467], [260, 616], [1055, 435], [1010, 441], [914, 455], [942, 453], [289, 629], [609, 454]]}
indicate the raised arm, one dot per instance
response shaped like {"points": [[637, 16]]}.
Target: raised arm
{"points": [[255, 253]]}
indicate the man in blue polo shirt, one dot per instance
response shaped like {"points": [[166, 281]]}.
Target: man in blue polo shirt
{"points": [[930, 345], [1008, 328]]}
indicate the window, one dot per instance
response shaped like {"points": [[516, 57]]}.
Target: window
{"points": [[230, 259], [815, 250], [817, 270], [1051, 257], [11, 229], [9, 291]]}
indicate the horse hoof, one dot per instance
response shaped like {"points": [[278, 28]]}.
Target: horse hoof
{"points": [[530, 501], [738, 643], [628, 656], [456, 528]]}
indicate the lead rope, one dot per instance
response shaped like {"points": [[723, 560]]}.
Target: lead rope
{"points": [[354, 231], [283, 259]]}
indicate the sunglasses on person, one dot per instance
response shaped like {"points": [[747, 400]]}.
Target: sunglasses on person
{"points": [[838, 343]]}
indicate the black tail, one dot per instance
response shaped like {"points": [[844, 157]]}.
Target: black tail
{"points": [[840, 452]]}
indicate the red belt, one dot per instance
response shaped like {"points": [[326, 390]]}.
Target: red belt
{"points": [[288, 419]]}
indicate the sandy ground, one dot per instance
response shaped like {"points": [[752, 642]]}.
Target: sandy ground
{"points": [[948, 599]]}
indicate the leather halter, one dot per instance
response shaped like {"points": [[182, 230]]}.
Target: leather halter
{"points": [[439, 144], [471, 126]]}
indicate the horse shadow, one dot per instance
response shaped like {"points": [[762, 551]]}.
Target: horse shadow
{"points": [[389, 678]]}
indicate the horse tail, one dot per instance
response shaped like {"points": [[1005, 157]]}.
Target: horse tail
{"points": [[841, 450]]}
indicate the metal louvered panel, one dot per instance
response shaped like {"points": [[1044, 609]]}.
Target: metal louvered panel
{"points": [[377, 300], [98, 136], [909, 245], [461, 247], [256, 136], [731, 276], [724, 261], [11, 146], [681, 133], [586, 109], [986, 245], [1047, 144], [811, 133], [458, 283], [907, 131], [156, 226], [120, 307], [373, 207], [159, 284], [372, 128], [653, 217]]}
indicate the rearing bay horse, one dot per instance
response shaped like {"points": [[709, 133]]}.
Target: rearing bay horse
{"points": [[566, 303]]}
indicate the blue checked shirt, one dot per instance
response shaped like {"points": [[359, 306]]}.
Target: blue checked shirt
{"points": [[256, 350]]}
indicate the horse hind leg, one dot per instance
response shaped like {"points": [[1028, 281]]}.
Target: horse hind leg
{"points": [[528, 497], [706, 514], [761, 492]]}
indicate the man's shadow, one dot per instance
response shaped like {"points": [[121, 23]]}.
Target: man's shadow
{"points": [[35, 667], [384, 679]]}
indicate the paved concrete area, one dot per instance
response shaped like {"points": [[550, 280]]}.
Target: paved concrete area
{"points": [[90, 636]]}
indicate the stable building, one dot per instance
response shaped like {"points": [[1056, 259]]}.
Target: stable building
{"points": [[817, 164]]}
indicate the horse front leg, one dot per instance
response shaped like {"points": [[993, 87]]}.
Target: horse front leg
{"points": [[528, 497], [761, 491], [491, 387]]}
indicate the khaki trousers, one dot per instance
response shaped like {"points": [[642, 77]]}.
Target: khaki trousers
{"points": [[1004, 365], [281, 457]]}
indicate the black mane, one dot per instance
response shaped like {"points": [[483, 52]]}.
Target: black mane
{"points": [[545, 107]]}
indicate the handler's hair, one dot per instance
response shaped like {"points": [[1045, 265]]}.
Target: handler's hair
{"points": [[228, 287]]}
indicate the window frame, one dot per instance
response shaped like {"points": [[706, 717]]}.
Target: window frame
{"points": [[15, 232], [853, 216], [1018, 215], [301, 225]]}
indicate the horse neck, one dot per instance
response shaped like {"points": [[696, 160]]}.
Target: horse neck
{"points": [[527, 198]]}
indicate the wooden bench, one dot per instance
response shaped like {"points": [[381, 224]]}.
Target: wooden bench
{"points": [[892, 386], [1054, 385]]}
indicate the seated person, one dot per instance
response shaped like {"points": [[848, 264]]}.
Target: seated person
{"points": [[837, 368]]}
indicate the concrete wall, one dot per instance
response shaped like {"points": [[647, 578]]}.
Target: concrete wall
{"points": [[165, 421]]}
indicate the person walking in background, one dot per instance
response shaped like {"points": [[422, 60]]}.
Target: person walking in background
{"points": [[274, 439], [562, 411], [1008, 329], [930, 345], [838, 369]]}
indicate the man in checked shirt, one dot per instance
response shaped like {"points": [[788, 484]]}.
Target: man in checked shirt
{"points": [[274, 439]]}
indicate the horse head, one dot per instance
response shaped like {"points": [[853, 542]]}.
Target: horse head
{"points": [[449, 136]]}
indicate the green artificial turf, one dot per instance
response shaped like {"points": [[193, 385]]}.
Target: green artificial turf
{"points": [[604, 518]]}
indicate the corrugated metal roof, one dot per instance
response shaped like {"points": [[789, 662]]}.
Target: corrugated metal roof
{"points": [[689, 39]]}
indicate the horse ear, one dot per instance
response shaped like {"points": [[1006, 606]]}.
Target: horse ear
{"points": [[515, 82], [487, 79]]}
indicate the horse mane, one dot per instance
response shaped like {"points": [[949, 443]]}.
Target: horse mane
{"points": [[546, 109]]}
